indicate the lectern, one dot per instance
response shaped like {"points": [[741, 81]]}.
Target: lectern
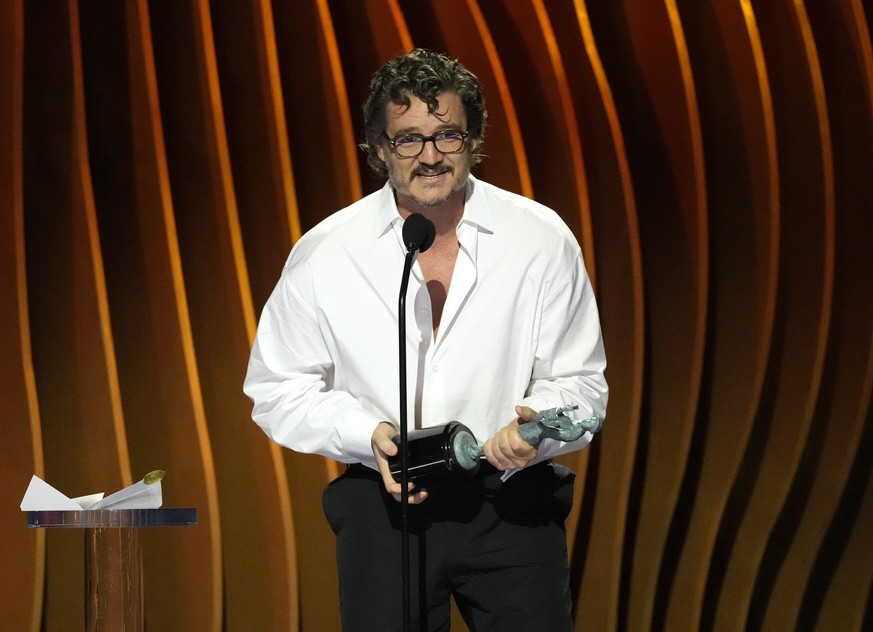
{"points": [[113, 558]]}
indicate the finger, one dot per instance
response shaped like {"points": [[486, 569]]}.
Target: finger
{"points": [[415, 496], [386, 446], [511, 444], [392, 486], [495, 456], [382, 438], [513, 451], [526, 413], [515, 444], [388, 481]]}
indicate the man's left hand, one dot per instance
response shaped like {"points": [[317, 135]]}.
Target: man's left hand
{"points": [[506, 450]]}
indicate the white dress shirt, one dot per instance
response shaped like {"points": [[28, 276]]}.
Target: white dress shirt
{"points": [[519, 326]]}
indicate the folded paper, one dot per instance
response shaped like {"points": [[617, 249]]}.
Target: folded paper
{"points": [[145, 494]]}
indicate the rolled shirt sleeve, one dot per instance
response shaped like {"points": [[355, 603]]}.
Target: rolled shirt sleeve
{"points": [[570, 359], [289, 379]]}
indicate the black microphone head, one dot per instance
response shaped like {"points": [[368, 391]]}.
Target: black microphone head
{"points": [[418, 233], [429, 238]]}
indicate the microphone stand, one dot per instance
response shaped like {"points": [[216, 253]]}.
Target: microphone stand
{"points": [[418, 235], [412, 250]]}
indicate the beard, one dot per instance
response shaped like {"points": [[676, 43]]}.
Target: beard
{"points": [[404, 185]]}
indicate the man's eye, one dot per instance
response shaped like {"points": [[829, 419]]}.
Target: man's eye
{"points": [[448, 135], [406, 140]]}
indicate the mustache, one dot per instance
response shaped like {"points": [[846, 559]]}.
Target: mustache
{"points": [[431, 171]]}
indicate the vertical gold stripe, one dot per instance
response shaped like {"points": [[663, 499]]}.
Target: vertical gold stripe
{"points": [[83, 174], [214, 579]]}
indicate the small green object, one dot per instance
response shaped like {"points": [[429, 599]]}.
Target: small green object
{"points": [[153, 477]]}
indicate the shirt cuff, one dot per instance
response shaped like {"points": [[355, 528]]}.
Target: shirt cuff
{"points": [[355, 434]]}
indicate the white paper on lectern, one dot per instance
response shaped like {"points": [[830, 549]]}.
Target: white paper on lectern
{"points": [[40, 496], [140, 495], [85, 502]]}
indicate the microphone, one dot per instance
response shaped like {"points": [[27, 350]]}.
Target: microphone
{"points": [[418, 235]]}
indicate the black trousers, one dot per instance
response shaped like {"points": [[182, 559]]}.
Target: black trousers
{"points": [[499, 548]]}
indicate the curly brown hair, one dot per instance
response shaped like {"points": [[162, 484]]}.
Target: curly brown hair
{"points": [[426, 75]]}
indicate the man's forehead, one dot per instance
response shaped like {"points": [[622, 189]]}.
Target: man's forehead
{"points": [[448, 108]]}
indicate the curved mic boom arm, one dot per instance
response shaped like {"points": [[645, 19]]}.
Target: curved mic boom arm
{"points": [[418, 235]]}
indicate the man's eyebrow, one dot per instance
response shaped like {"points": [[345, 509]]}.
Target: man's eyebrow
{"points": [[445, 127]]}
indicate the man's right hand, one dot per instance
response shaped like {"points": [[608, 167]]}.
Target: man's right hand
{"points": [[383, 448]]}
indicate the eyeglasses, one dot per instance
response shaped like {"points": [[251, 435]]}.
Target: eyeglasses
{"points": [[411, 145]]}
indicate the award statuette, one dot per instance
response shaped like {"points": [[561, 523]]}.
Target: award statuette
{"points": [[450, 452]]}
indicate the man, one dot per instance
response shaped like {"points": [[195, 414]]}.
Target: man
{"points": [[501, 323]]}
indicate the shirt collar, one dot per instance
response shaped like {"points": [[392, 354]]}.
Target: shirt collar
{"points": [[386, 211], [476, 210]]}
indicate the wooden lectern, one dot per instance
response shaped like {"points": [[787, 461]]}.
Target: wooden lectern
{"points": [[113, 559]]}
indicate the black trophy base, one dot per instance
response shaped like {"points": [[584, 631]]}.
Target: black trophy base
{"points": [[437, 455]]}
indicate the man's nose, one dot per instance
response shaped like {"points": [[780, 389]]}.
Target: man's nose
{"points": [[430, 154]]}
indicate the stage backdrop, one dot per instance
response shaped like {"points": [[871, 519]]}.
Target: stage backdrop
{"points": [[714, 158]]}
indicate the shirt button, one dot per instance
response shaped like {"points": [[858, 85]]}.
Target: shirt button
{"points": [[436, 369]]}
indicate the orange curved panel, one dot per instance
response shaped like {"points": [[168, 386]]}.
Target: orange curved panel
{"points": [[255, 515], [320, 127], [742, 181], [22, 551], [843, 42], [386, 22], [346, 152], [256, 130], [646, 58], [597, 526], [84, 191], [806, 270], [317, 111], [367, 34], [525, 41], [159, 385], [846, 602], [255, 504], [268, 222], [59, 203], [73, 352]]}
